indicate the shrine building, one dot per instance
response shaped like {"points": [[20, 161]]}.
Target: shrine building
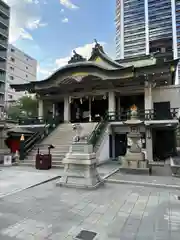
{"points": [[90, 90]]}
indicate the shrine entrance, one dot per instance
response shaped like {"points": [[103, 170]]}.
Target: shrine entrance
{"points": [[79, 110], [88, 109], [99, 107]]}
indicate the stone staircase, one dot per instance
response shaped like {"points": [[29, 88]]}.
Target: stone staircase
{"points": [[61, 138]]}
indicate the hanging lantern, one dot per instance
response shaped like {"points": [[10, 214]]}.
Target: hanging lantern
{"points": [[104, 97], [81, 101], [172, 69], [87, 97], [93, 98], [70, 100]]}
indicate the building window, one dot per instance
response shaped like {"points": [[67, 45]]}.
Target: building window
{"points": [[12, 50], [26, 75], [26, 67], [10, 96], [11, 77], [12, 68], [12, 59]]}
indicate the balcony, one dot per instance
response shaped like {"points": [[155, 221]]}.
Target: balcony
{"points": [[145, 115], [4, 21], [2, 66], [1, 101], [5, 11], [3, 55], [2, 90], [2, 77], [4, 32], [3, 43]]}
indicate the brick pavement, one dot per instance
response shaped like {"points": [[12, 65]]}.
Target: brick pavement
{"points": [[114, 212]]}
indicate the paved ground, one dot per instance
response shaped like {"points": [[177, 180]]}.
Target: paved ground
{"points": [[14, 179], [113, 212], [154, 179]]}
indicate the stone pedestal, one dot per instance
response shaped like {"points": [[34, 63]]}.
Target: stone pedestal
{"points": [[80, 169], [134, 159]]}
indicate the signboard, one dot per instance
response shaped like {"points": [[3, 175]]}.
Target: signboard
{"points": [[7, 160]]}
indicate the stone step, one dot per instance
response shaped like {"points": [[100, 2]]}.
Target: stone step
{"points": [[54, 153], [54, 158], [61, 138], [32, 164], [56, 147]]}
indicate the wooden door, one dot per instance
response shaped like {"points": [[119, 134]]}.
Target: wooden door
{"points": [[162, 110]]}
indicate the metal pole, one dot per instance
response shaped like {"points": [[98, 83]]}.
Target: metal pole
{"points": [[21, 150], [90, 117]]}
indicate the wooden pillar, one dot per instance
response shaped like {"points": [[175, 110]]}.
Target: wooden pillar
{"points": [[148, 97], [111, 105], [40, 109], [66, 109]]}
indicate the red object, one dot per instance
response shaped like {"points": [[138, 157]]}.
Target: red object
{"points": [[13, 144], [43, 161]]}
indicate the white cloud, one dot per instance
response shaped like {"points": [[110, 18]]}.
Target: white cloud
{"points": [[44, 71], [85, 51], [62, 10], [68, 4], [65, 20], [34, 24], [24, 17]]}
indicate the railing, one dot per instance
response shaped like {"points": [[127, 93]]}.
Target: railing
{"points": [[31, 121], [37, 137], [144, 115], [38, 121], [99, 129]]}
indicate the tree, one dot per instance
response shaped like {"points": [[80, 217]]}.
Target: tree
{"points": [[26, 106]]}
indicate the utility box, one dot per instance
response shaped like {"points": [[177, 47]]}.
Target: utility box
{"points": [[44, 161]]}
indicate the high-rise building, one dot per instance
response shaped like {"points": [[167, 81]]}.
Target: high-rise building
{"points": [[21, 68], [147, 26], [4, 35]]}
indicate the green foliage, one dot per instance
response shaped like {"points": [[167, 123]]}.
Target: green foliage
{"points": [[25, 107]]}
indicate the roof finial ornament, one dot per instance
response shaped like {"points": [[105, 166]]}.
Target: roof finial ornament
{"points": [[74, 51], [98, 46], [76, 58], [95, 40]]}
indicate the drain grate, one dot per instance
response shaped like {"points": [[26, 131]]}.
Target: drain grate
{"points": [[86, 235]]}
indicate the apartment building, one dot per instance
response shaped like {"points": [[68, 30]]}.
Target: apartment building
{"points": [[148, 26], [21, 68], [4, 35]]}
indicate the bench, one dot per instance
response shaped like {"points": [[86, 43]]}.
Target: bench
{"points": [[175, 166]]}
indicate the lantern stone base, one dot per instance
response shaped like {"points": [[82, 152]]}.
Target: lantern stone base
{"points": [[80, 170], [134, 162]]}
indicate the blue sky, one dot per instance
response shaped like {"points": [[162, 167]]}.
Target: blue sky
{"points": [[49, 30]]}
